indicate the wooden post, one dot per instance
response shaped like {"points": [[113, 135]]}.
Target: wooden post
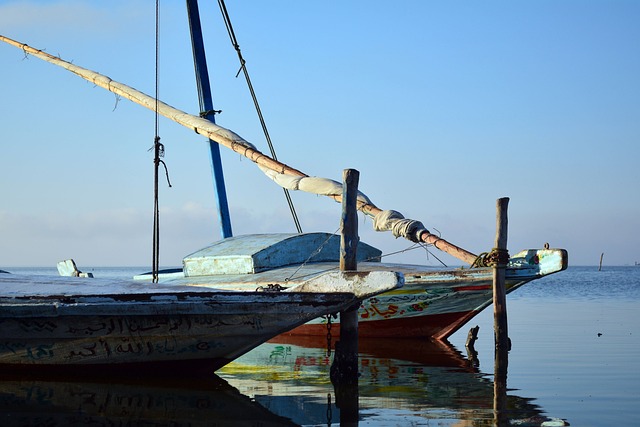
{"points": [[500, 314], [472, 354], [346, 356], [499, 270], [344, 370], [600, 266], [349, 220]]}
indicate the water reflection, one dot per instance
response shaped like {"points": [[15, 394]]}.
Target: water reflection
{"points": [[402, 381], [55, 402], [283, 382]]}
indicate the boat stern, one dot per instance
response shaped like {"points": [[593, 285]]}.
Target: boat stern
{"points": [[538, 262]]}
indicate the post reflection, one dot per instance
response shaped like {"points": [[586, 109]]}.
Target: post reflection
{"points": [[500, 408]]}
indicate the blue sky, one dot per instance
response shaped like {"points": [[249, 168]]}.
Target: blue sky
{"points": [[443, 107]]}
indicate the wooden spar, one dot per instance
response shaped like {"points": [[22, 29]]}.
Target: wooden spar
{"points": [[220, 135], [201, 126]]}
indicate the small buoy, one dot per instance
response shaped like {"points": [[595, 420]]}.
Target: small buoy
{"points": [[599, 334]]}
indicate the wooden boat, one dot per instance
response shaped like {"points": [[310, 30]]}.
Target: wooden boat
{"points": [[434, 303], [66, 324]]}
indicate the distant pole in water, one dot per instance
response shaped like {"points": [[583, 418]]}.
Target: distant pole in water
{"points": [[207, 112], [600, 266]]}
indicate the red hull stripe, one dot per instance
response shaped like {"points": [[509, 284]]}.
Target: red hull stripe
{"points": [[438, 326]]}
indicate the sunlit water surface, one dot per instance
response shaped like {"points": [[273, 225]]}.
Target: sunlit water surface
{"points": [[575, 349]]}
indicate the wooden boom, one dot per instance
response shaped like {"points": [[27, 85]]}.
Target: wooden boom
{"points": [[221, 136]]}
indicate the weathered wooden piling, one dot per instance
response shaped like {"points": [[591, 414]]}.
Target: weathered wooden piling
{"points": [[349, 220], [344, 371], [600, 265], [499, 269], [502, 344], [472, 354], [472, 336], [346, 357]]}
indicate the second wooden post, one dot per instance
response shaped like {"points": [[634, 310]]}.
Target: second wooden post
{"points": [[499, 269], [500, 260]]}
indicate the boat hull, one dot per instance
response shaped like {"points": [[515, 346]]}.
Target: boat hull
{"points": [[70, 323], [438, 326], [214, 333], [435, 304]]}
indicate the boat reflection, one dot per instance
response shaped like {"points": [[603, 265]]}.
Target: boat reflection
{"points": [[402, 381], [118, 402], [283, 382]]}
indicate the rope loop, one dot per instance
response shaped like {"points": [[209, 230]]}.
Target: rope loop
{"points": [[496, 258]]}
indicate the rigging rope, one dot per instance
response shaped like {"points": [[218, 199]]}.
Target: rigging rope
{"points": [[243, 68], [158, 152], [313, 254], [156, 162], [377, 258]]}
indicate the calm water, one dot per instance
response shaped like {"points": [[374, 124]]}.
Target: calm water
{"points": [[575, 354]]}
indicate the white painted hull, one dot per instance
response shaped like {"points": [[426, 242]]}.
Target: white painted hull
{"points": [[71, 322]]}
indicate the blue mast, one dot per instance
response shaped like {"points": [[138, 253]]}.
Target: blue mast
{"points": [[207, 112]]}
